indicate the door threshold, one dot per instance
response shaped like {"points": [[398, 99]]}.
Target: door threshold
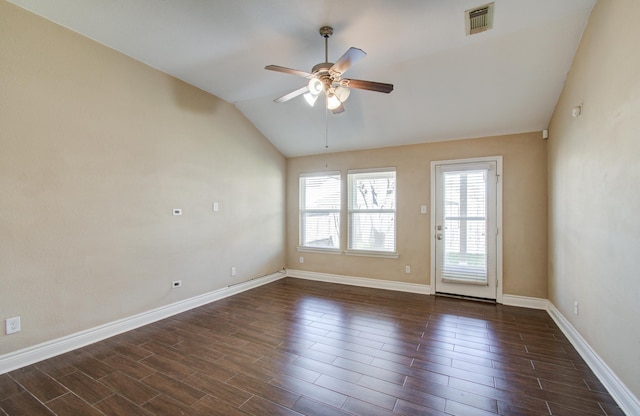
{"points": [[465, 297]]}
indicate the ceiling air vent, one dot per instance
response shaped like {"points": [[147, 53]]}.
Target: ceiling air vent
{"points": [[479, 19]]}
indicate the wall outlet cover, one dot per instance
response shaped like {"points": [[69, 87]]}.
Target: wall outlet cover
{"points": [[12, 325]]}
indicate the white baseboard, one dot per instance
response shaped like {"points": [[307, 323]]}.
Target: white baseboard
{"points": [[627, 401], [31, 355], [525, 302], [360, 281], [511, 300]]}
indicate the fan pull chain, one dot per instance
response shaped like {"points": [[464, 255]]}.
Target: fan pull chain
{"points": [[326, 127]]}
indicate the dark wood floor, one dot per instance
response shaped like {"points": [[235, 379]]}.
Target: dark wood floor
{"points": [[300, 347]]}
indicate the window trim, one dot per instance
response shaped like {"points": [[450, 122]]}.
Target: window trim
{"points": [[350, 199], [302, 211], [306, 249], [369, 253]]}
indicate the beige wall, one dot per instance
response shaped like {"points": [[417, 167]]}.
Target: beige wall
{"points": [[524, 210], [95, 151], [594, 197]]}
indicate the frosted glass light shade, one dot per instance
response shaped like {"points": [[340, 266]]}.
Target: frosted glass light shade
{"points": [[315, 86], [333, 102], [342, 93], [310, 98]]}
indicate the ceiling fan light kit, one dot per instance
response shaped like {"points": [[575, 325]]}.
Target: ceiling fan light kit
{"points": [[311, 98], [342, 93], [333, 102], [315, 86], [327, 77]]}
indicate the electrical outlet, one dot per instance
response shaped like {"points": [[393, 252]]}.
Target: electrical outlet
{"points": [[233, 271], [575, 308], [176, 283], [301, 260], [12, 325], [423, 209], [216, 207], [407, 269]]}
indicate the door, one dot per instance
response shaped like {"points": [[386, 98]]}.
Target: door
{"points": [[466, 227]]}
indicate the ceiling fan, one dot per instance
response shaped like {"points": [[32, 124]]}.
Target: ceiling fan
{"points": [[327, 77]]}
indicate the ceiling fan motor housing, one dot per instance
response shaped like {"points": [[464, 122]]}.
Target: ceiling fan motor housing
{"points": [[321, 72], [322, 67]]}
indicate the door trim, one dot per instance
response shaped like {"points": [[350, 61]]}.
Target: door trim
{"points": [[432, 232]]}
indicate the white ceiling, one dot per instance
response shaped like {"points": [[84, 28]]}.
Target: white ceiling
{"points": [[447, 85]]}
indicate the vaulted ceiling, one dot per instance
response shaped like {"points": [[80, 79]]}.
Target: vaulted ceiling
{"points": [[448, 85]]}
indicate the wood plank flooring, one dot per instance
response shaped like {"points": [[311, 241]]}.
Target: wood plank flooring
{"points": [[300, 347]]}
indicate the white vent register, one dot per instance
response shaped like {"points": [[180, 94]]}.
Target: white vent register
{"points": [[479, 19]]}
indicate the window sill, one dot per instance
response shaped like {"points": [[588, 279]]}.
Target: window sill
{"points": [[320, 250], [379, 254]]}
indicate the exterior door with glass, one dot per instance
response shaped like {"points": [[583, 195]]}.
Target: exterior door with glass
{"points": [[466, 227]]}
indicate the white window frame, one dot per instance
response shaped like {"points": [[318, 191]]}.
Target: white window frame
{"points": [[303, 211], [352, 210]]}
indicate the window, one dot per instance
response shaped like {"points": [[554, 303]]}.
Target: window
{"points": [[320, 210], [465, 221], [372, 210]]}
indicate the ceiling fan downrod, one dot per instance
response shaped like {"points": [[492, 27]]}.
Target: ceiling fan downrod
{"points": [[325, 32]]}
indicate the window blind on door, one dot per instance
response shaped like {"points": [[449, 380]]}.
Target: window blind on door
{"points": [[465, 226]]}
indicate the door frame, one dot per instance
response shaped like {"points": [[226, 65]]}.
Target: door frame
{"points": [[432, 225]]}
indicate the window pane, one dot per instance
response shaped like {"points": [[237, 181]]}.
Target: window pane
{"points": [[373, 190], [372, 216], [320, 211], [321, 230], [373, 231], [465, 236], [321, 192]]}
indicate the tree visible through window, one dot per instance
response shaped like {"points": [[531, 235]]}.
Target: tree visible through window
{"points": [[320, 210], [372, 210]]}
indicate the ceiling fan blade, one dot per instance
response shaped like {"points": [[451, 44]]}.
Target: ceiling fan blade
{"points": [[349, 58], [369, 85], [288, 71], [292, 94]]}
